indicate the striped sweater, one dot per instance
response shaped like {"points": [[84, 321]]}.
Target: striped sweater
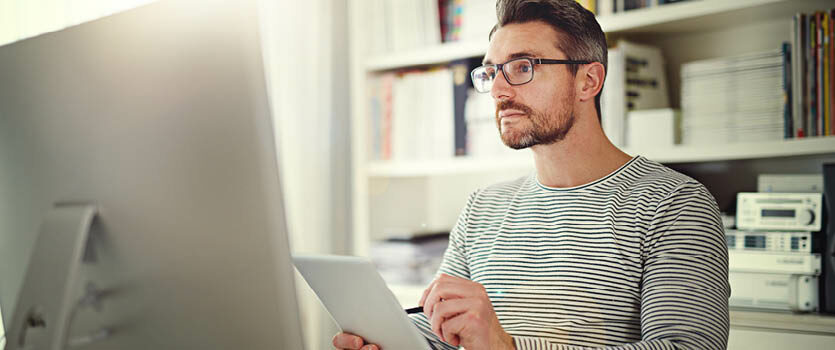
{"points": [[635, 260]]}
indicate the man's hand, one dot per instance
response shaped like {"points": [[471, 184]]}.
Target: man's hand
{"points": [[345, 341], [461, 314]]}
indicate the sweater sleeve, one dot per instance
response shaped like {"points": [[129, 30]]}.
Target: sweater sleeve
{"points": [[685, 289]]}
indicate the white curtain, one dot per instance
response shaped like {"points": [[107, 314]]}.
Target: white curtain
{"points": [[305, 57], [305, 54]]}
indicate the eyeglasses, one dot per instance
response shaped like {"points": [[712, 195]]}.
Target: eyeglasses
{"points": [[517, 71]]}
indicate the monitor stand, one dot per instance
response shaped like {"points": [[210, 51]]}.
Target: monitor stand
{"points": [[44, 305]]}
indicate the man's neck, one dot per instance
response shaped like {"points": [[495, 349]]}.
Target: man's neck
{"points": [[585, 155]]}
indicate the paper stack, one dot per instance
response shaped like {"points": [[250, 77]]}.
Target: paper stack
{"points": [[635, 81], [733, 99], [413, 261]]}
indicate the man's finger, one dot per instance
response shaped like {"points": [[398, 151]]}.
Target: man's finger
{"points": [[448, 288], [426, 293], [347, 341], [446, 310], [452, 328]]}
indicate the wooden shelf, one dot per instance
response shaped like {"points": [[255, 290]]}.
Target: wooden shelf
{"points": [[688, 16], [676, 154], [704, 15], [451, 166], [736, 151], [784, 322], [437, 54]]}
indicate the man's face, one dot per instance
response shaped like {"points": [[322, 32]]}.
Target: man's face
{"points": [[541, 111]]}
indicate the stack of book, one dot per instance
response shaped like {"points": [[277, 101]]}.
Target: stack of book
{"points": [[635, 81], [413, 260], [734, 99], [429, 114], [412, 115], [402, 25], [813, 74]]}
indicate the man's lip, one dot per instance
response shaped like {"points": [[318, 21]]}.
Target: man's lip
{"points": [[510, 113]]}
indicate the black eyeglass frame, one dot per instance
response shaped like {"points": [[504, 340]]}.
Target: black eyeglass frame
{"points": [[533, 61]]}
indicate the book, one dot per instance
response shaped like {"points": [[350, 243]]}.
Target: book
{"points": [[636, 80], [635, 4], [477, 19], [831, 73], [605, 7], [461, 84], [738, 98], [825, 115], [590, 5], [811, 120], [819, 64], [788, 127], [613, 98], [797, 75], [387, 109]]}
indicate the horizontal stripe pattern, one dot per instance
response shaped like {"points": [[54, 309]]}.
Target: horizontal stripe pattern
{"points": [[635, 260]]}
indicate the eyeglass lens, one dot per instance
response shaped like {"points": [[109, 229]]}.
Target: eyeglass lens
{"points": [[516, 72]]}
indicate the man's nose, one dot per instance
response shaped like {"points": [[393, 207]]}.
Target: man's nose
{"points": [[501, 89]]}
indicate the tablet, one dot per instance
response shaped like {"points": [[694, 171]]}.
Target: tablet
{"points": [[360, 301]]}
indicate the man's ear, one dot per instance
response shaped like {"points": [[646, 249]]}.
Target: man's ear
{"points": [[591, 80]]}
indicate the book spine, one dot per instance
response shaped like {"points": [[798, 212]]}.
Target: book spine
{"points": [[787, 92], [460, 81], [804, 76], [819, 73], [825, 68], [457, 17], [443, 18], [387, 115], [831, 72], [590, 5], [796, 94], [813, 101], [375, 120]]}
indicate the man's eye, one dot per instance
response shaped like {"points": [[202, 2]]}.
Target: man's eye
{"points": [[523, 68]]}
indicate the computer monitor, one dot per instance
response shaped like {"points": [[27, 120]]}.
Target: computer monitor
{"points": [[151, 130]]}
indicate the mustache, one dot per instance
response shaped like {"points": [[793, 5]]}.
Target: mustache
{"points": [[509, 104]]}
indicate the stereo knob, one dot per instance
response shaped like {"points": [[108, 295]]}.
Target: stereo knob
{"points": [[806, 217]]}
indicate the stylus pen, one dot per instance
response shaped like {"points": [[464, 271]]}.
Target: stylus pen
{"points": [[414, 310]]}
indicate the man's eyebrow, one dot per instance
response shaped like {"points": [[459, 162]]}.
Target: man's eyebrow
{"points": [[515, 55]]}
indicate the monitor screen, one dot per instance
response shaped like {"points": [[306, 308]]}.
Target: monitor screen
{"points": [[158, 117]]}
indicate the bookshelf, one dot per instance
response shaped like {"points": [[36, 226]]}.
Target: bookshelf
{"points": [[684, 31], [693, 16], [392, 191], [673, 155]]}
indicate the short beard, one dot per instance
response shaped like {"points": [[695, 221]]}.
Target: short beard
{"points": [[545, 129]]}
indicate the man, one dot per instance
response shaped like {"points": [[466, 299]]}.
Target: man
{"points": [[596, 249]]}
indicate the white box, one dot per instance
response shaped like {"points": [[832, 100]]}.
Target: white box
{"points": [[653, 128], [797, 183], [774, 291], [767, 262]]}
